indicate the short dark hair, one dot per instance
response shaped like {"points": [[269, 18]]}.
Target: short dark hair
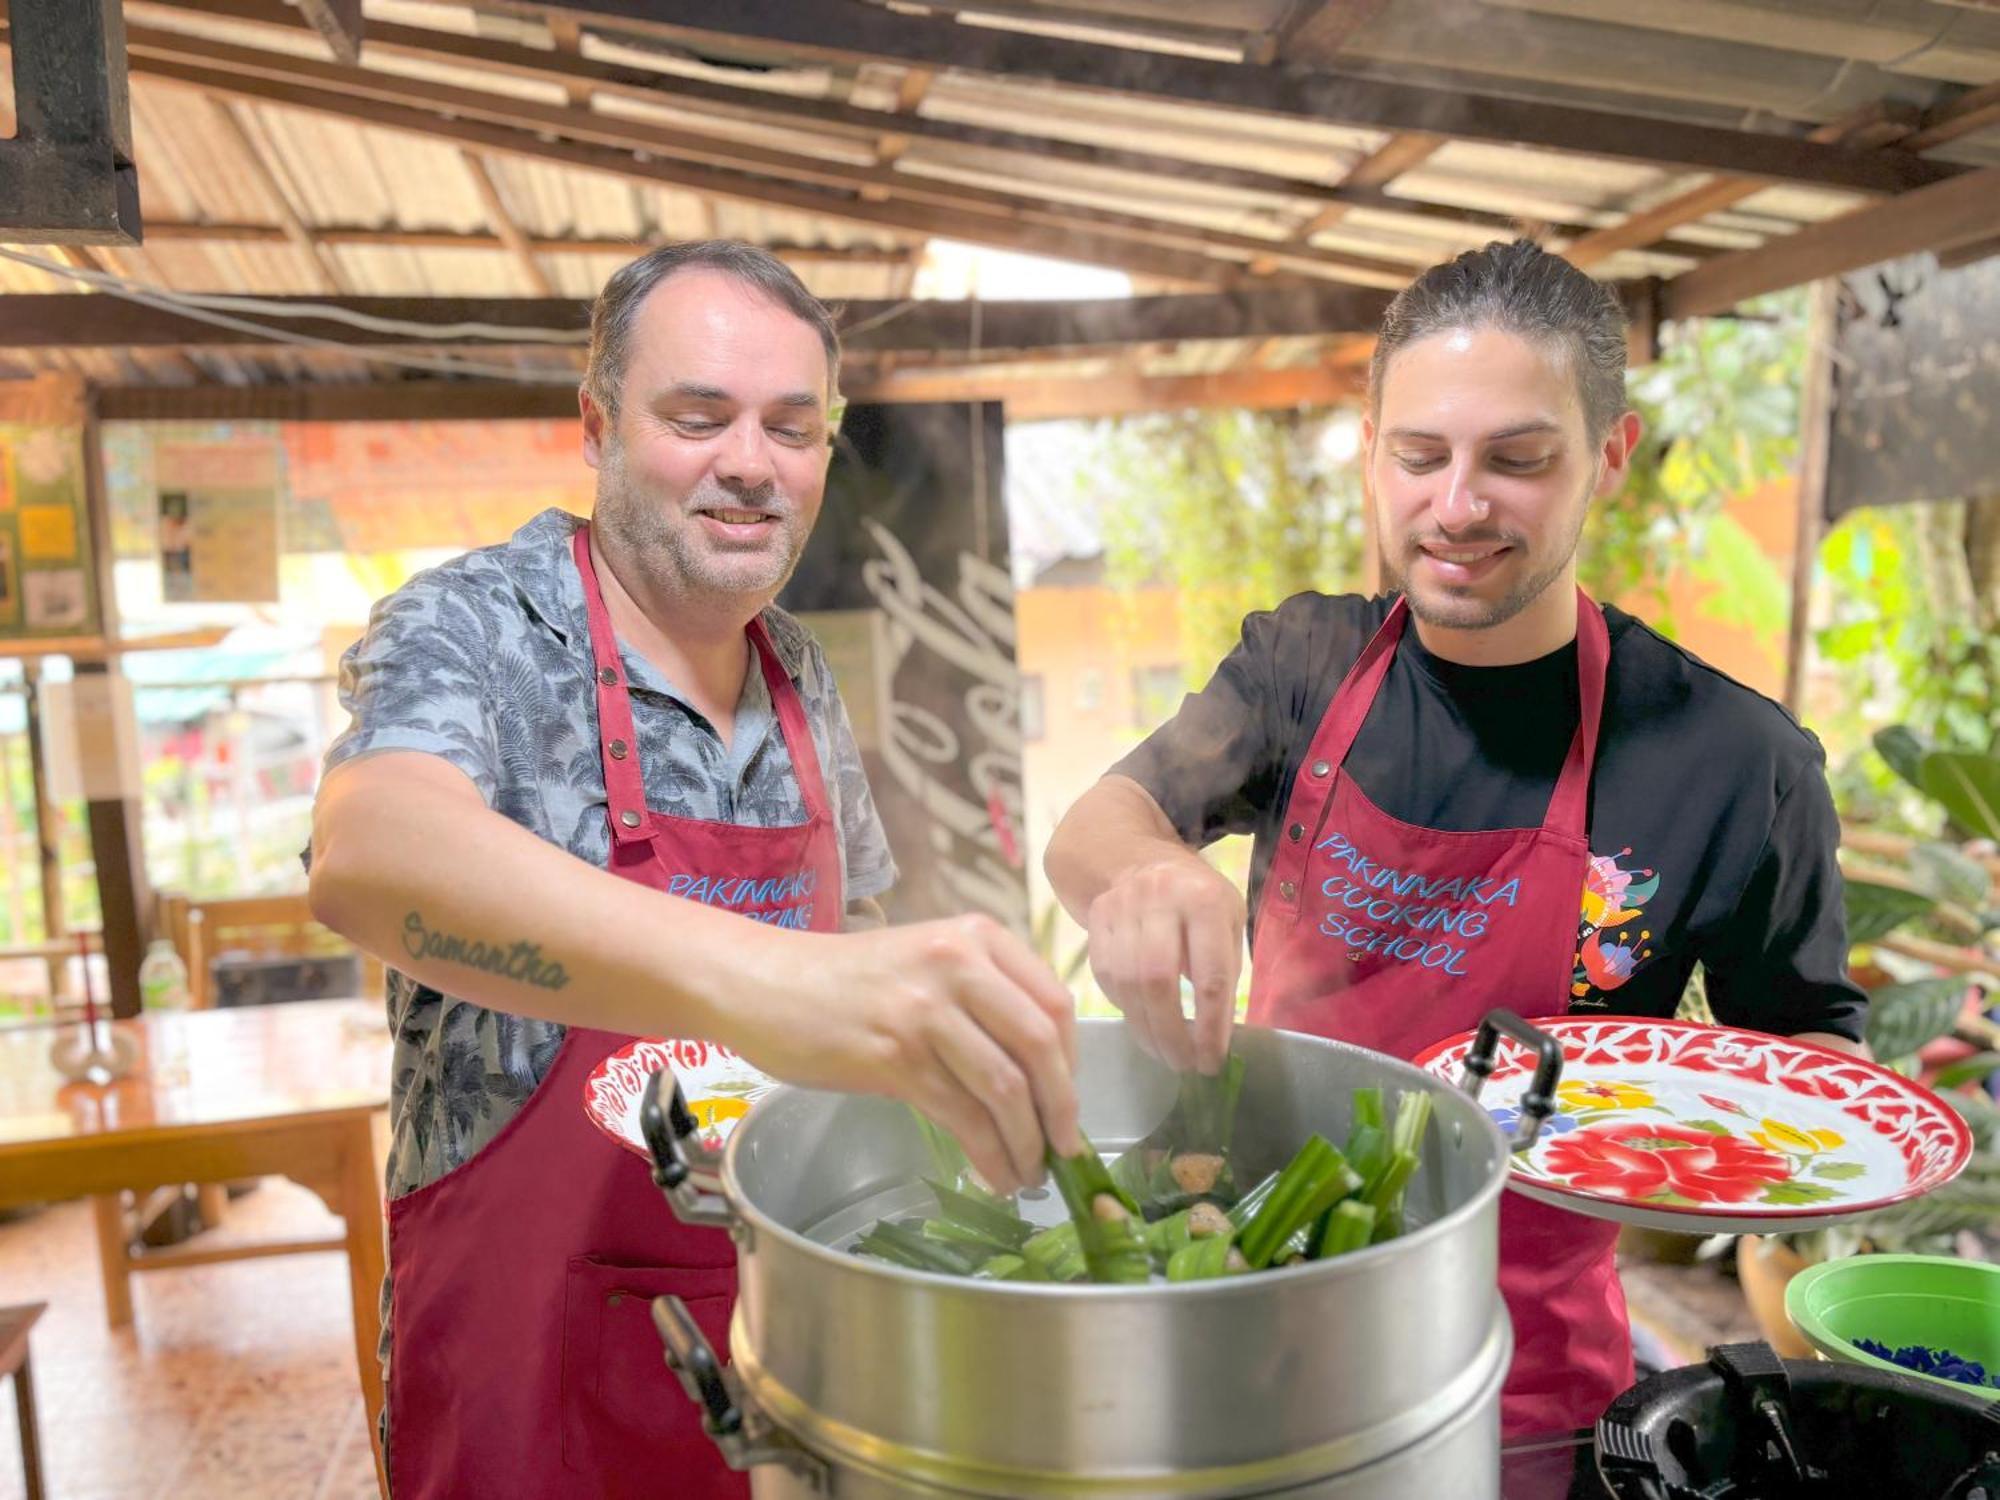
{"points": [[1523, 289], [617, 307]]}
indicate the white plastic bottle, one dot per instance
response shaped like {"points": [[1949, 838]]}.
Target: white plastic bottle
{"points": [[163, 978]]}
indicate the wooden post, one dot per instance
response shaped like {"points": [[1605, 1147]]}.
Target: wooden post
{"points": [[117, 824], [1815, 442], [48, 817]]}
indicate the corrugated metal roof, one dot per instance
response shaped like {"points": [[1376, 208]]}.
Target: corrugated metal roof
{"points": [[1778, 64]]}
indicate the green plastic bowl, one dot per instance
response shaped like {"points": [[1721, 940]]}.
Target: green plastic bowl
{"points": [[1899, 1300]]}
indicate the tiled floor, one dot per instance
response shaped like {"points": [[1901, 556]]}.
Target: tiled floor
{"points": [[235, 1381]]}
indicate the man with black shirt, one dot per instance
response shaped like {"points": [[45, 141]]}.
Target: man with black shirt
{"points": [[1480, 790]]}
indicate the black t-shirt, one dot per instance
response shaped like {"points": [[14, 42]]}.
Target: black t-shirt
{"points": [[1712, 831]]}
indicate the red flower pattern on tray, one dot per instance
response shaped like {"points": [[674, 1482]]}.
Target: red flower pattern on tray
{"points": [[1641, 1159]]}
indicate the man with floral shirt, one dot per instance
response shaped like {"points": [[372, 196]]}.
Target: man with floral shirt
{"points": [[597, 787]]}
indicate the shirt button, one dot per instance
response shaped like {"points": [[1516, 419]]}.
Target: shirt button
{"points": [[1320, 768], [617, 748], [1289, 891], [609, 677], [1296, 832], [629, 818]]}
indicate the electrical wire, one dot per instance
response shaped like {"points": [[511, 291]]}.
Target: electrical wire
{"points": [[193, 306]]}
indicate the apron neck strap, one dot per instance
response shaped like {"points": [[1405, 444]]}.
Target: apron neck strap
{"points": [[624, 783], [1569, 805]]}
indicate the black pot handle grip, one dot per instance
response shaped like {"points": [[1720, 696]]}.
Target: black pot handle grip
{"points": [[665, 1129], [1539, 1101]]}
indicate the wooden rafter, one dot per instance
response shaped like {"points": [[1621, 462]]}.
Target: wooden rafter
{"points": [[1946, 215], [1370, 174], [1317, 30], [504, 224], [997, 329], [582, 77], [1874, 126], [851, 31], [266, 178], [1064, 236], [339, 22], [732, 169], [181, 231], [1028, 398]]}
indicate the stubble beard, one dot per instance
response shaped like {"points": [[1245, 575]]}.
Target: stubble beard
{"points": [[669, 551]]}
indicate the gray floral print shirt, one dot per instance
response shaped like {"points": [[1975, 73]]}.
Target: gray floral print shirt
{"points": [[486, 662]]}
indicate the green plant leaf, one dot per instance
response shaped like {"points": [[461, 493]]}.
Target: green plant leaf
{"points": [[1875, 911], [1974, 1069], [1713, 1127], [1749, 591], [1967, 787], [1905, 1018], [1950, 874], [1982, 1114], [1795, 1192], [1838, 1171], [1900, 747], [1972, 1202]]}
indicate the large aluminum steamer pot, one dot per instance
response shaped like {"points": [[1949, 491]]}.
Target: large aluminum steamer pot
{"points": [[1371, 1376]]}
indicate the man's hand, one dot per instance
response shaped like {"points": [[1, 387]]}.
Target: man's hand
{"points": [[1171, 916], [958, 1018]]}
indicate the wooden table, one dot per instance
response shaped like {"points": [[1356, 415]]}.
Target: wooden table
{"points": [[217, 1095]]}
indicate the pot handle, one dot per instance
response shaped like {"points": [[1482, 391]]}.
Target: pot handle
{"points": [[1538, 1102], [689, 1173], [735, 1424]]}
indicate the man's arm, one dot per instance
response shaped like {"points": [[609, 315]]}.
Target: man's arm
{"points": [[958, 1018], [1154, 910], [1781, 963]]}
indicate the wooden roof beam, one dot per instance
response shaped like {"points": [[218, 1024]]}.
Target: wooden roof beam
{"points": [[504, 225], [262, 173], [922, 204], [1317, 30], [581, 77], [1370, 174], [850, 31], [1043, 329], [178, 230], [1027, 398], [1876, 125], [1942, 217]]}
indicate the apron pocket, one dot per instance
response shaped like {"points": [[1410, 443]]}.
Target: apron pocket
{"points": [[625, 1419]]}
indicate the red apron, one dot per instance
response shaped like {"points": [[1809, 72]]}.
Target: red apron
{"points": [[1374, 931], [524, 1359]]}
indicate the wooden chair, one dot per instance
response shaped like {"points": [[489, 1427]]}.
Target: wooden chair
{"points": [[264, 926], [202, 932], [15, 1323]]}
